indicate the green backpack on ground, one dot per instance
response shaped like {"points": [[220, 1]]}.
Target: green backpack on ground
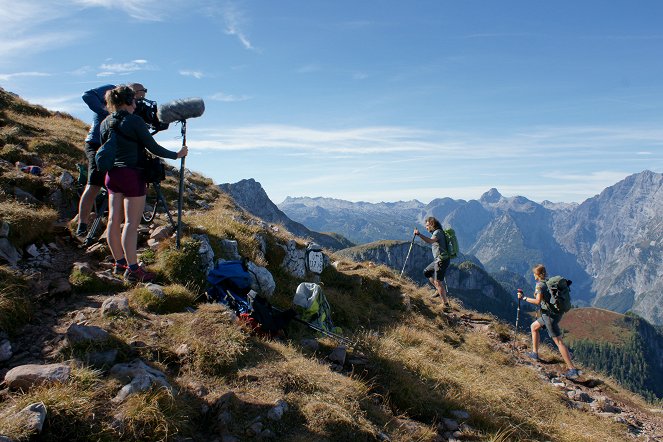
{"points": [[452, 243], [312, 306], [560, 294]]}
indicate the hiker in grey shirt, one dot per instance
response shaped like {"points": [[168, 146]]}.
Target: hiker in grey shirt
{"points": [[437, 269]]}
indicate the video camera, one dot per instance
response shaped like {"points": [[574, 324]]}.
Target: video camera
{"points": [[147, 110]]}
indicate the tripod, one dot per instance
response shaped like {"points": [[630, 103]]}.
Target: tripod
{"points": [[99, 210], [152, 205]]}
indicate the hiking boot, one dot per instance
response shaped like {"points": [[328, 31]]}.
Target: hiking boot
{"points": [[533, 355], [81, 230], [119, 269], [572, 373], [446, 308], [138, 275]]}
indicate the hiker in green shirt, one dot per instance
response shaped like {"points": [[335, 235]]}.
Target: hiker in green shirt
{"points": [[547, 319], [437, 269]]}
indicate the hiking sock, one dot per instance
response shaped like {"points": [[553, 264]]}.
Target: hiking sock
{"points": [[133, 267], [121, 262]]}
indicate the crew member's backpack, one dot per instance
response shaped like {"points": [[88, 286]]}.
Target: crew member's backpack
{"points": [[105, 156], [452, 243], [560, 294]]}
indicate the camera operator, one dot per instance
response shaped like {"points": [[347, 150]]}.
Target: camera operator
{"points": [[95, 99]]}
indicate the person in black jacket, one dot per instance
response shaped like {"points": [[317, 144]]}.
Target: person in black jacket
{"points": [[125, 182], [96, 101]]}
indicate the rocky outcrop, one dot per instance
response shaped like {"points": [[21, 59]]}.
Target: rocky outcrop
{"points": [[250, 196]]}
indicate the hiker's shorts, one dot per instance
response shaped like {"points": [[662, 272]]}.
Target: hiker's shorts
{"points": [[94, 177], [551, 322], [127, 181], [437, 269]]}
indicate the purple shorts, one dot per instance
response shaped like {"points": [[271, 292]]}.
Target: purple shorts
{"points": [[127, 181]]}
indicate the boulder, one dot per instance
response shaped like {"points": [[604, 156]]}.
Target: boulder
{"points": [[34, 416], [115, 305], [86, 333], [25, 376]]}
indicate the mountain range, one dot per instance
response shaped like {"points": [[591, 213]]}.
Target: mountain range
{"points": [[610, 245]]}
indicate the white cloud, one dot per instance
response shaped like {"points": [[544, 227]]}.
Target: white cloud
{"points": [[220, 96], [195, 74], [144, 10], [9, 77], [108, 69]]}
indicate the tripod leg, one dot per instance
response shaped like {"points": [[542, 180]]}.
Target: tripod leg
{"points": [[161, 199], [89, 239]]}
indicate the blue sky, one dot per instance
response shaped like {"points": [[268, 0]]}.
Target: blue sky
{"points": [[370, 100]]}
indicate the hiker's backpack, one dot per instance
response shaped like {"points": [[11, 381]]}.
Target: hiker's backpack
{"points": [[312, 306], [452, 243], [560, 294], [105, 156], [229, 284]]}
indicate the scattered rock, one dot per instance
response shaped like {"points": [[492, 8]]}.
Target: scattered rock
{"points": [[5, 350], [161, 233], [34, 416], [84, 268], [276, 413], [86, 333], [59, 287], [9, 253], [230, 250], [460, 414], [25, 376], [115, 305], [156, 290], [140, 383], [338, 355], [310, 344]]}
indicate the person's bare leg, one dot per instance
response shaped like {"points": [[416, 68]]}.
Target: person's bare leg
{"points": [[563, 349], [535, 327], [115, 203], [133, 210], [86, 203]]}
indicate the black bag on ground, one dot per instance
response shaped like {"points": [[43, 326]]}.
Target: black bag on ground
{"points": [[271, 320]]}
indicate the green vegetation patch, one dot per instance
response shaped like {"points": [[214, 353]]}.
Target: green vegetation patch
{"points": [[175, 299], [184, 266]]}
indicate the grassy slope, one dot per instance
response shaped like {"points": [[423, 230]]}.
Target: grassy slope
{"points": [[596, 324], [419, 364]]}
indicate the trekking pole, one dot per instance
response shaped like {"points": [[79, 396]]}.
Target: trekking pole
{"points": [[338, 337], [341, 339], [407, 256], [181, 196], [515, 332]]}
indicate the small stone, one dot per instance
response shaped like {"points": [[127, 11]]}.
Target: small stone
{"points": [[460, 414], [34, 415], [5, 350], [338, 355]]}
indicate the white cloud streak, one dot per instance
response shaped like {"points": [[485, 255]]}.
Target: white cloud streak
{"points": [[220, 96], [195, 74], [9, 77]]}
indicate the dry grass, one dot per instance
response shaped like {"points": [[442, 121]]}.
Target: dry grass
{"points": [[503, 399], [155, 415], [27, 223], [71, 408], [183, 266], [213, 342], [15, 305]]}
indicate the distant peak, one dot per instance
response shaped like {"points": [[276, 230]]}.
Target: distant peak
{"points": [[492, 196]]}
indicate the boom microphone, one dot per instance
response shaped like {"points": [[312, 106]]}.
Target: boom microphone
{"points": [[179, 110]]}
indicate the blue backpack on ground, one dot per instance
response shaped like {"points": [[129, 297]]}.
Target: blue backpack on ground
{"points": [[230, 284]]}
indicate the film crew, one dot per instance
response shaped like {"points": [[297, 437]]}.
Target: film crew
{"points": [[436, 270], [95, 99], [547, 319], [125, 182]]}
